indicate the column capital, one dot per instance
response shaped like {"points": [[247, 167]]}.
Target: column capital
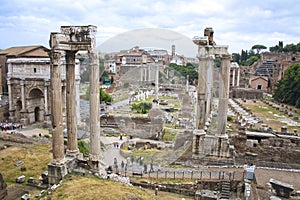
{"points": [[55, 56]]}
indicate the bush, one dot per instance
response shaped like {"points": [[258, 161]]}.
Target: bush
{"points": [[34, 136], [229, 118], [47, 136], [83, 147]]}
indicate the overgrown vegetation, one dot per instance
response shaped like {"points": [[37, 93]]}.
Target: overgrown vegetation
{"points": [[189, 69], [142, 107], [168, 135], [83, 147], [288, 89], [103, 95]]}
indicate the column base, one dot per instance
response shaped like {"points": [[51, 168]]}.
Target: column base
{"points": [[74, 153], [56, 172], [95, 163]]}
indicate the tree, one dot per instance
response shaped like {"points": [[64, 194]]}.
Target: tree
{"points": [[258, 48], [236, 57], [288, 89], [142, 107], [251, 60], [103, 95]]}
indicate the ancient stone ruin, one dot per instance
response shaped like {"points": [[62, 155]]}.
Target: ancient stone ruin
{"points": [[205, 144], [66, 44]]}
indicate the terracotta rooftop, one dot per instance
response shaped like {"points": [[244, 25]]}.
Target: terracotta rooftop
{"points": [[25, 51]]}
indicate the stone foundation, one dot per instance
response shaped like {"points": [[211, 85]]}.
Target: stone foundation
{"points": [[209, 147], [56, 172]]}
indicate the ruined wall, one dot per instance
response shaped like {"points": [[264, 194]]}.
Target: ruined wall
{"points": [[243, 93]]}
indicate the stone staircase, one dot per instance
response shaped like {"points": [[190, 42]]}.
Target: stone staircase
{"points": [[225, 190]]}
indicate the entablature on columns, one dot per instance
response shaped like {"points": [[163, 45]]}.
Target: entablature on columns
{"points": [[74, 38]]}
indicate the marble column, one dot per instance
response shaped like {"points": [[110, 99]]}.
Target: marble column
{"points": [[72, 149], [46, 85], [56, 108], [64, 105], [202, 91], [233, 77], [10, 94], [156, 81], [209, 83], [95, 154], [223, 94], [187, 83], [238, 77], [22, 83]]}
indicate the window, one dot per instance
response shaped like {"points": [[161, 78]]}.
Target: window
{"points": [[34, 70], [259, 87]]}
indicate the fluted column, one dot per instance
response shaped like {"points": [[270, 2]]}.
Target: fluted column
{"points": [[223, 93], [56, 108], [22, 83], [95, 154], [72, 149]]}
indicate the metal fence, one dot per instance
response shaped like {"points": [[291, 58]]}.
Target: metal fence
{"points": [[199, 175]]}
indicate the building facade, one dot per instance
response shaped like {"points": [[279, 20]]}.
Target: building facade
{"points": [[28, 84]]}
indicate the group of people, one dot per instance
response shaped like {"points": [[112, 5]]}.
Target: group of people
{"points": [[5, 126]]}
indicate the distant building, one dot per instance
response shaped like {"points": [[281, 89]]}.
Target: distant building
{"points": [[134, 59], [28, 83], [259, 83]]}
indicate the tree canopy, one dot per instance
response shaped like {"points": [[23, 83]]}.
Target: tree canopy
{"points": [[258, 47], [189, 69], [288, 89]]}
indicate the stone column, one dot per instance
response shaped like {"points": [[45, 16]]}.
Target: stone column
{"points": [[56, 109], [95, 154], [202, 90], [187, 83], [209, 83], [238, 77], [233, 77], [142, 74], [156, 81], [72, 149], [9, 94], [64, 105], [46, 84], [223, 94], [23, 94]]}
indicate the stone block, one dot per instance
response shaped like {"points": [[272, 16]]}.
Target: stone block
{"points": [[56, 172]]}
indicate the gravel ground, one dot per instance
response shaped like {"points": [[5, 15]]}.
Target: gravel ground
{"points": [[291, 177]]}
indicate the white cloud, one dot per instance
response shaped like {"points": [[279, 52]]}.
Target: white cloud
{"points": [[239, 24]]}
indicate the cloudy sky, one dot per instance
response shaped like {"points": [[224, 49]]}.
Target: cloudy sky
{"points": [[237, 23]]}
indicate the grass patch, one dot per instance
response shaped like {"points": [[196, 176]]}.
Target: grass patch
{"points": [[168, 135], [106, 189]]}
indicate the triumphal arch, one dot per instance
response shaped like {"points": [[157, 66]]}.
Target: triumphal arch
{"points": [[64, 46]]}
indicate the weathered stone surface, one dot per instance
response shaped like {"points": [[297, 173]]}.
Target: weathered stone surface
{"points": [[3, 188]]}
